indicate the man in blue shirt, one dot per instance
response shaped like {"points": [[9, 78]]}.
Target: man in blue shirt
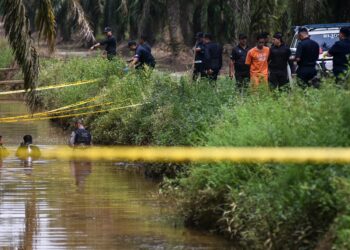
{"points": [[307, 54], [340, 52], [142, 56]]}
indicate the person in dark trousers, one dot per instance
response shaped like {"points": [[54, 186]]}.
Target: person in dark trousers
{"points": [[142, 56], [80, 137], [143, 42], [199, 59], [213, 57], [278, 62], [306, 56], [110, 44], [340, 52], [238, 68]]}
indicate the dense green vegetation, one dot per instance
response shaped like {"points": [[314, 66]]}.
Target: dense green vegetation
{"points": [[6, 57], [269, 206]]}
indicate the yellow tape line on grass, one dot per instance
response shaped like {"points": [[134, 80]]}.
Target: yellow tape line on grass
{"points": [[58, 86], [72, 115], [204, 154]]}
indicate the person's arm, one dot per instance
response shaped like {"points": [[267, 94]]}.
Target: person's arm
{"points": [[333, 50], [299, 52], [95, 46], [72, 139], [248, 60]]}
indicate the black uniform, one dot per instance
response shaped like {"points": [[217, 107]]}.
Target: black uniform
{"points": [[278, 66], [111, 47], [341, 55], [199, 61], [242, 70], [82, 137], [145, 57], [308, 51], [147, 47], [213, 59]]}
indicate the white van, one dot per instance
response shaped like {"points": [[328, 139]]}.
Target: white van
{"points": [[325, 35]]}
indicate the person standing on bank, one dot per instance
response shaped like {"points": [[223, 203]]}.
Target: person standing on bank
{"points": [[213, 57], [110, 44], [199, 59], [238, 68], [306, 56], [340, 52], [257, 59], [80, 137], [278, 62], [142, 56]]}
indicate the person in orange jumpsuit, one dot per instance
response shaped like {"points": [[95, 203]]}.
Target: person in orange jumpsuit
{"points": [[257, 59]]}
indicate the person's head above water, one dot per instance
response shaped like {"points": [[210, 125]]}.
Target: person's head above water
{"points": [[78, 123], [1, 140], [27, 139]]}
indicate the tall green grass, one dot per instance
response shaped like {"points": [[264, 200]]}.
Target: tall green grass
{"points": [[6, 57], [261, 206]]}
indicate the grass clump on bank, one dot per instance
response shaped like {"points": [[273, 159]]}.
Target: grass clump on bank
{"points": [[261, 206], [6, 56]]}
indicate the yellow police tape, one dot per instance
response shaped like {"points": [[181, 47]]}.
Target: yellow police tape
{"points": [[58, 86], [54, 111], [72, 115], [203, 154]]}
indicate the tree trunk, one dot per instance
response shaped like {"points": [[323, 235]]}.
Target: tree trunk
{"points": [[174, 18], [144, 26]]}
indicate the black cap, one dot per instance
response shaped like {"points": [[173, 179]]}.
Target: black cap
{"points": [[107, 29], [199, 35], [278, 35], [131, 43], [303, 29], [345, 31], [208, 36], [242, 36]]}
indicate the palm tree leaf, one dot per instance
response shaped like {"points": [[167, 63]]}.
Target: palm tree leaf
{"points": [[46, 24]]}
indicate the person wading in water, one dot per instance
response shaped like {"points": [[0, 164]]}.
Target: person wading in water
{"points": [[80, 137]]}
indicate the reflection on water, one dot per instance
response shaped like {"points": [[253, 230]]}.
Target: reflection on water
{"points": [[74, 205]]}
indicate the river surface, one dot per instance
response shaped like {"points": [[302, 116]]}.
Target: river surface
{"points": [[82, 205]]}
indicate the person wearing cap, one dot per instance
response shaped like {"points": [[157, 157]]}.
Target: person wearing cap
{"points": [[80, 137], [306, 57], [278, 62], [199, 51], [110, 44], [340, 52], [257, 59], [213, 57], [142, 56], [238, 68]]}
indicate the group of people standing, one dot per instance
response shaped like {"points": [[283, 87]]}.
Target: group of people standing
{"points": [[264, 64]]}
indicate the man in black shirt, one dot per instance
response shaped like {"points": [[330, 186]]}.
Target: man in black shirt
{"points": [[144, 43], [199, 59], [278, 62], [238, 68], [306, 56], [110, 44], [213, 57], [142, 56], [341, 53]]}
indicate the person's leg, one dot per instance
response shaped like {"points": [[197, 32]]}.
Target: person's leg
{"points": [[273, 80]]}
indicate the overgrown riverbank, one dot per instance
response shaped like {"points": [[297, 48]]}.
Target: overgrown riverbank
{"points": [[260, 206]]}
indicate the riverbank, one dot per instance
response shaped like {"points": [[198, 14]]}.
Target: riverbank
{"points": [[274, 206]]}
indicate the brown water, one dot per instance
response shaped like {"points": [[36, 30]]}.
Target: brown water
{"points": [[80, 205]]}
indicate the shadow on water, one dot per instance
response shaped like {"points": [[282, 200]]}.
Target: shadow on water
{"points": [[73, 205]]}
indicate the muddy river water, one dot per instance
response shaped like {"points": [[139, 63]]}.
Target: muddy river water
{"points": [[82, 205]]}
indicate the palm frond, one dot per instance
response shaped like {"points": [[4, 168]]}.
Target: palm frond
{"points": [[17, 30], [46, 23], [76, 13]]}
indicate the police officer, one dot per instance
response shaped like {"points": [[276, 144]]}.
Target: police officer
{"points": [[80, 137], [199, 51], [238, 68], [213, 57], [341, 53], [110, 44], [142, 56], [278, 62], [306, 56]]}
